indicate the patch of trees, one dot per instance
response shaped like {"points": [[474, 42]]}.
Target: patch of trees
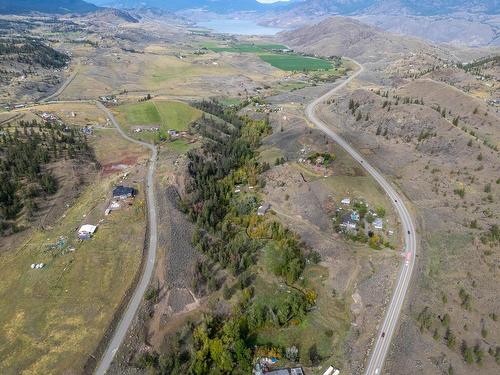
{"points": [[353, 106], [229, 232], [325, 156], [24, 155], [32, 52], [473, 66]]}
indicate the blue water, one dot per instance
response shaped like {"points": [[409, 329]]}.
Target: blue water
{"points": [[242, 27]]}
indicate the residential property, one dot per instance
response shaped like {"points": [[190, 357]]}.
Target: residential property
{"points": [[354, 216], [378, 223], [123, 192], [261, 211], [86, 231], [346, 201], [348, 222], [173, 133]]}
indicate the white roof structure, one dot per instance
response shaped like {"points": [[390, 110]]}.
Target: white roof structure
{"points": [[87, 228], [378, 223], [346, 201]]}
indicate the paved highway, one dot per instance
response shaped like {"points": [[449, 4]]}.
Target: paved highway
{"points": [[134, 303], [389, 324]]}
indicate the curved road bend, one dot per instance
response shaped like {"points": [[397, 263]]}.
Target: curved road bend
{"points": [[403, 281], [134, 303]]}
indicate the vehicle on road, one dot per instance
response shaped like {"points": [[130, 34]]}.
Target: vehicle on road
{"points": [[383, 334], [407, 258]]}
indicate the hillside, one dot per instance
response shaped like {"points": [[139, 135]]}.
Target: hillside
{"points": [[472, 23], [46, 6], [351, 38]]}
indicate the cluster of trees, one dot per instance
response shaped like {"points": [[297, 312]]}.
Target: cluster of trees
{"points": [[23, 156], [229, 232], [327, 157], [224, 344], [32, 52], [286, 256], [475, 66], [279, 311]]}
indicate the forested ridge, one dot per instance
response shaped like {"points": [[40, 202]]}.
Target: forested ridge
{"points": [[30, 51], [25, 152], [229, 232]]}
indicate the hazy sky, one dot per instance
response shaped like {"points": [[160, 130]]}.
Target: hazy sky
{"points": [[269, 1]]}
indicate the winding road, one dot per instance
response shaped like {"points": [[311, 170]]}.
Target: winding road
{"points": [[134, 303], [389, 324]]}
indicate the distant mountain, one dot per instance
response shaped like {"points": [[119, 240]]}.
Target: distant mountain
{"points": [[413, 7], [46, 6], [317, 7], [216, 6]]}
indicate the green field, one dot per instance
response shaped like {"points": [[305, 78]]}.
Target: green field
{"points": [[295, 62], [166, 114], [283, 61], [243, 47]]}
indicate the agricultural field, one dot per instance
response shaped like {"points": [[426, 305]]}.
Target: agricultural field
{"points": [[243, 47], [165, 114], [296, 63], [282, 61]]}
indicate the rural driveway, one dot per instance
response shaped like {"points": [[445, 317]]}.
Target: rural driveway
{"points": [[61, 88], [134, 303], [389, 324]]}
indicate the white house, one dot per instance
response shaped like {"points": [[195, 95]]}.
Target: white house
{"points": [[86, 231]]}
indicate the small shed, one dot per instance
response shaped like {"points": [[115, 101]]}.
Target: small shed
{"points": [[346, 201], [261, 211], [123, 192], [86, 231], [378, 223], [354, 216]]}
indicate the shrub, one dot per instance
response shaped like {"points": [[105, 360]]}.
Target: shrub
{"points": [[151, 294]]}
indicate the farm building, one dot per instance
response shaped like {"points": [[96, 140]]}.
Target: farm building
{"points": [[86, 231], [123, 192]]}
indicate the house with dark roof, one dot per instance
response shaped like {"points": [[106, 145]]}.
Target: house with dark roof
{"points": [[348, 222], [123, 192]]}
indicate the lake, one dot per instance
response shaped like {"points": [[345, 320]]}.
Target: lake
{"points": [[234, 26]]}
